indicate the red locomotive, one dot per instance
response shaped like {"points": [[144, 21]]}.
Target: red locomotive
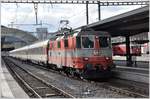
{"points": [[84, 52]]}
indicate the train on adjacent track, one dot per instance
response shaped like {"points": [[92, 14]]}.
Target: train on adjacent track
{"points": [[120, 49], [84, 52]]}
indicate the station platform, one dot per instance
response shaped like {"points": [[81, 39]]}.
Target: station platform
{"points": [[132, 73], [9, 87]]}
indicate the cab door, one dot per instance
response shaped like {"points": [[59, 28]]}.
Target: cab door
{"points": [[65, 51]]}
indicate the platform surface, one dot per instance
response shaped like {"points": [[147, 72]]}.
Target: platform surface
{"points": [[133, 69], [132, 73], [9, 87]]}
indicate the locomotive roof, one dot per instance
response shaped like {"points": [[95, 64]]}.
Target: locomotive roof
{"points": [[86, 32]]}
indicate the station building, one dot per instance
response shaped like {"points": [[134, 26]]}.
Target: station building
{"points": [[12, 38]]}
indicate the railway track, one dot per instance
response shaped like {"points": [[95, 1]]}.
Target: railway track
{"points": [[124, 91], [128, 91], [35, 87]]}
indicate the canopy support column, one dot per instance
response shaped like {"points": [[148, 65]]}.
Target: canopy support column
{"points": [[128, 53]]}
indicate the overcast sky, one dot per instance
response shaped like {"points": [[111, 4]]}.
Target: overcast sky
{"points": [[52, 14]]}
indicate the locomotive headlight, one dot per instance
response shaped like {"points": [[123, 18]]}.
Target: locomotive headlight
{"points": [[86, 58], [107, 58]]}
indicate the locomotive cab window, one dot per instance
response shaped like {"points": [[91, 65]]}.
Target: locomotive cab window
{"points": [[104, 41], [88, 42]]}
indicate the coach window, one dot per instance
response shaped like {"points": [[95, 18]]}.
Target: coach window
{"points": [[66, 43], [78, 42], [58, 44]]}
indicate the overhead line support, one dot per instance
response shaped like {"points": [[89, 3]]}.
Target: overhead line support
{"points": [[104, 3], [87, 13], [36, 12], [99, 11]]}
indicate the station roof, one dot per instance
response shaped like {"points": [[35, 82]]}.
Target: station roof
{"points": [[126, 24], [14, 38]]}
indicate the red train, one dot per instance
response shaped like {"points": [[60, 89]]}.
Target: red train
{"points": [[86, 53], [121, 50]]}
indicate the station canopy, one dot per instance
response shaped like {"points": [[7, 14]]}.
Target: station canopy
{"points": [[14, 38], [126, 24]]}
